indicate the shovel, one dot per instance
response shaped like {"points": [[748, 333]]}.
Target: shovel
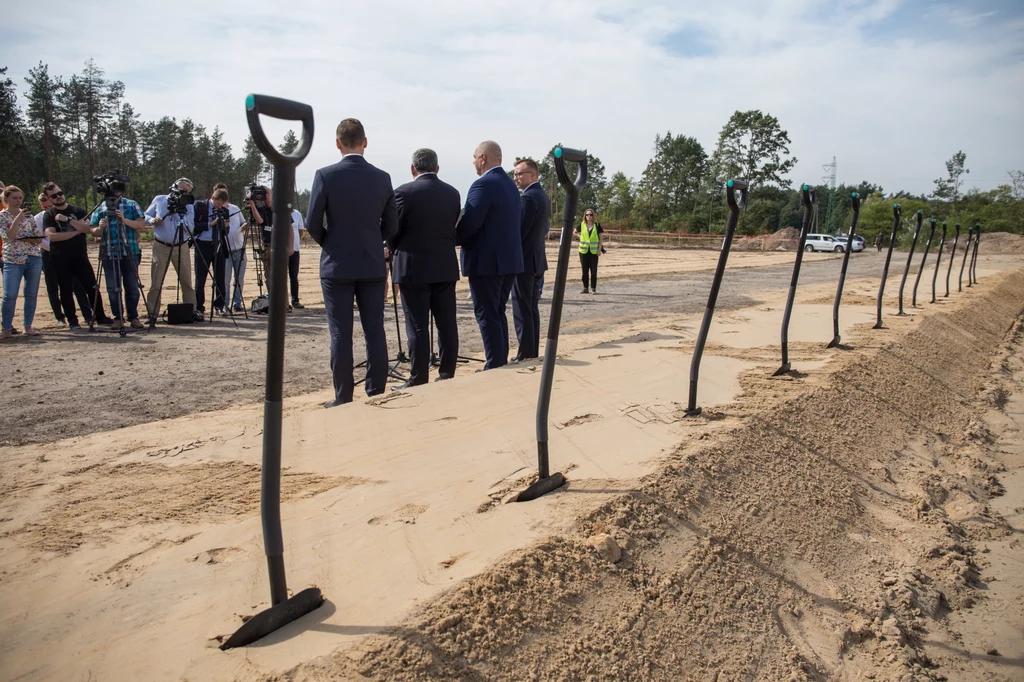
{"points": [[730, 227], [547, 482], [809, 207], [910, 257], [842, 273], [973, 273], [897, 214], [952, 257], [967, 254], [924, 259], [938, 259], [283, 610]]}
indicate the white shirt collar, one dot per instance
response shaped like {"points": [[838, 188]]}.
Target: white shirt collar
{"points": [[350, 154], [420, 175], [496, 168], [535, 182]]}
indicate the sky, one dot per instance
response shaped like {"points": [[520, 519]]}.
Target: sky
{"points": [[890, 88]]}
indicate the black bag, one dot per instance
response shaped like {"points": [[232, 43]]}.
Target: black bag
{"points": [[180, 313], [261, 305]]}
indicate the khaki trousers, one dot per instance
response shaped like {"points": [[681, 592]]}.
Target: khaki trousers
{"points": [[165, 258]]}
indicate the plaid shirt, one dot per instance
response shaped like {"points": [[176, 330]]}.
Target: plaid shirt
{"points": [[110, 242]]}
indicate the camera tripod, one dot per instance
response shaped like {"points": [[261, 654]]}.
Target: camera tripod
{"points": [[107, 246]]}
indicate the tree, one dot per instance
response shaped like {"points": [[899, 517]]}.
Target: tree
{"points": [[753, 147], [43, 116], [12, 145], [948, 188], [616, 199], [290, 143], [666, 195]]}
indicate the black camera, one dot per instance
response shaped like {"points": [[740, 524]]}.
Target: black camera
{"points": [[112, 183], [178, 200], [255, 192], [222, 213]]}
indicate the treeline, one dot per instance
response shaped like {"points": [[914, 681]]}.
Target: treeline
{"points": [[72, 129]]}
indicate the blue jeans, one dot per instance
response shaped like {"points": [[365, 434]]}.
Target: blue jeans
{"points": [[122, 273], [30, 271], [238, 260]]}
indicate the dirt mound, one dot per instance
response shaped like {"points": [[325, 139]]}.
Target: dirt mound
{"points": [[1001, 243], [825, 537]]}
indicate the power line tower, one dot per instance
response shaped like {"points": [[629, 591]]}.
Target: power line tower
{"points": [[830, 179]]}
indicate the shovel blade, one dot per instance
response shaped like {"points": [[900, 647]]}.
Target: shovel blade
{"points": [[542, 487], [834, 343], [275, 618], [782, 370]]}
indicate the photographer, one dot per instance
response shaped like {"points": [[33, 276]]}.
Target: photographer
{"points": [[236, 255], [293, 260], [170, 215], [66, 228], [211, 223], [118, 225], [258, 199]]}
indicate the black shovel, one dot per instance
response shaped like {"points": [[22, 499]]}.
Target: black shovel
{"points": [[924, 261], [836, 340], [897, 213], [731, 188], [809, 201], [547, 482], [973, 273], [967, 254], [910, 257], [952, 257], [938, 260], [283, 610]]}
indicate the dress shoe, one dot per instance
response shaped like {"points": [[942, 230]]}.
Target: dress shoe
{"points": [[332, 403], [137, 324], [297, 305], [198, 315], [585, 291], [407, 384]]}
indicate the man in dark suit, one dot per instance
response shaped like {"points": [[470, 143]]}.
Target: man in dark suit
{"points": [[357, 203], [425, 267], [534, 225], [492, 250]]}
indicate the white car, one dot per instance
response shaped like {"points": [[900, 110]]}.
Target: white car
{"points": [[858, 242], [823, 242]]}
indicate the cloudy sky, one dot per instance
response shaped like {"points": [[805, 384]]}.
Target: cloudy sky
{"points": [[891, 88]]}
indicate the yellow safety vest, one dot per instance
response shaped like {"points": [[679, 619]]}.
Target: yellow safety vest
{"points": [[588, 238]]}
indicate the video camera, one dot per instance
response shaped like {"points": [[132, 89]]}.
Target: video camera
{"points": [[178, 200], [111, 183], [256, 193]]}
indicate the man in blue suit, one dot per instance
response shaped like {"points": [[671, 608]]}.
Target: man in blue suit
{"points": [[492, 250], [351, 212], [425, 267], [534, 225]]}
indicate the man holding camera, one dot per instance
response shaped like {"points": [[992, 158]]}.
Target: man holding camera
{"points": [[171, 219], [236, 256], [118, 225], [258, 198], [66, 228], [212, 220]]}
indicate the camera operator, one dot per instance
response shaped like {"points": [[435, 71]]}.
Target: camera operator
{"points": [[66, 228], [259, 200], [170, 215], [211, 223], [236, 258], [120, 251]]}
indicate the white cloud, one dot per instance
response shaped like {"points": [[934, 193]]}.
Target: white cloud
{"points": [[849, 80]]}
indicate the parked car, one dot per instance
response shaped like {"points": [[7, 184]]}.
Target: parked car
{"points": [[823, 242], [858, 242]]}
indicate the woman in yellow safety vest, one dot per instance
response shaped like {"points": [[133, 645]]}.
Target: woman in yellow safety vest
{"points": [[590, 247]]}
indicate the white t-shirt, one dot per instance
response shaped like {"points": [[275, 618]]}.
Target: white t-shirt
{"points": [[39, 226], [297, 225]]}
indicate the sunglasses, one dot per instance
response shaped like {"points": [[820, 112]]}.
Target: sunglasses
{"points": [[56, 194], [588, 215]]}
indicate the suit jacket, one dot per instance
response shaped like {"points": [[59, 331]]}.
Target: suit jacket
{"points": [[358, 204], [534, 226], [424, 246], [488, 230]]}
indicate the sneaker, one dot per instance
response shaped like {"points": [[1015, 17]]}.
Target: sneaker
{"points": [[137, 324], [238, 308], [198, 315], [222, 312], [62, 324], [297, 305], [75, 327], [32, 331], [594, 290], [585, 291]]}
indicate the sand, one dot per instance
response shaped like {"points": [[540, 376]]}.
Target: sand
{"points": [[854, 518]]}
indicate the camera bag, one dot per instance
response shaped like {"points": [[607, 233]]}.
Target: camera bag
{"points": [[180, 313]]}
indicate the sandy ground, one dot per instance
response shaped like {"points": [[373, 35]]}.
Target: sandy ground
{"points": [[856, 518]]}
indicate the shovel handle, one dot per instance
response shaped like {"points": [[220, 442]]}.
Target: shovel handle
{"points": [[289, 110], [563, 154], [732, 187]]}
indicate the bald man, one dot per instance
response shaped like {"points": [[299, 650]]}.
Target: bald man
{"points": [[492, 250]]}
